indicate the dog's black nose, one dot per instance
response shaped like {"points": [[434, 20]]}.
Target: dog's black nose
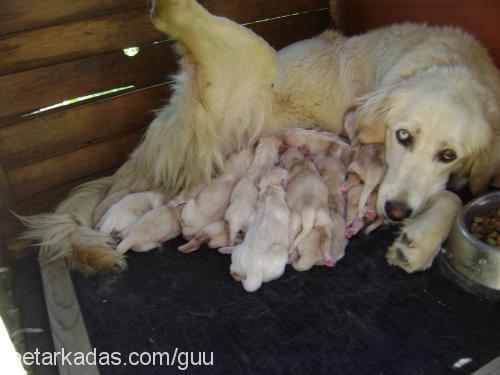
{"points": [[396, 210]]}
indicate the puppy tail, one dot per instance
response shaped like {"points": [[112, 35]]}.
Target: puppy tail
{"points": [[68, 232], [373, 178], [252, 282], [308, 218]]}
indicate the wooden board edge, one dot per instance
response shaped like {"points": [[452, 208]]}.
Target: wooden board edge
{"points": [[66, 321], [491, 368]]}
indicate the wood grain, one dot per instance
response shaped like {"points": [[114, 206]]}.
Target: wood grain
{"points": [[20, 15], [66, 321], [6, 202], [28, 91], [479, 17], [74, 40], [62, 132], [243, 11], [78, 39], [48, 173]]}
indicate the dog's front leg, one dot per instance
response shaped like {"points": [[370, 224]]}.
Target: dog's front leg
{"points": [[421, 237]]}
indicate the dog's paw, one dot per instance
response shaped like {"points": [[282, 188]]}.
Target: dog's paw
{"points": [[413, 250]]}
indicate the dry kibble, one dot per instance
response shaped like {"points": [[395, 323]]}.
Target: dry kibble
{"points": [[486, 228]]}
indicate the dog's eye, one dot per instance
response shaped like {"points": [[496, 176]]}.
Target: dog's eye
{"points": [[404, 137], [447, 156]]}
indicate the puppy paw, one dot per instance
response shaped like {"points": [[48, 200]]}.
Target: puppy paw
{"points": [[412, 251]]}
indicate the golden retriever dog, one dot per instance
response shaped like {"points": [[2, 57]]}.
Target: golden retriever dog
{"points": [[430, 94]]}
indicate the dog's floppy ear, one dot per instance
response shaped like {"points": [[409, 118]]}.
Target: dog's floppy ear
{"points": [[369, 117], [485, 168]]}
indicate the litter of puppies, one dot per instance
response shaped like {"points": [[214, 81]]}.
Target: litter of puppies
{"points": [[295, 199]]}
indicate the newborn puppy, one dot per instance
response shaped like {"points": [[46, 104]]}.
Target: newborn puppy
{"points": [[291, 157], [106, 204], [211, 202], [308, 141], [263, 254], [307, 197], [266, 156], [156, 226], [128, 210], [369, 164], [138, 186], [333, 172], [307, 253], [354, 217], [242, 207], [214, 234]]}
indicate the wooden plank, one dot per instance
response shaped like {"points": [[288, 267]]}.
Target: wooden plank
{"points": [[61, 132], [492, 368], [66, 321], [284, 31], [46, 201], [74, 40], [28, 91], [48, 173], [6, 201], [20, 15], [479, 17], [252, 10], [54, 44]]}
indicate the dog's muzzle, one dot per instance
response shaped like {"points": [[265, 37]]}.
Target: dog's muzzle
{"points": [[396, 210]]}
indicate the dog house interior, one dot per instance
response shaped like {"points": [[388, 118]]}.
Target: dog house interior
{"points": [[79, 83]]}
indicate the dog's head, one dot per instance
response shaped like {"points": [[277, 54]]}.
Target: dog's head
{"points": [[434, 125]]}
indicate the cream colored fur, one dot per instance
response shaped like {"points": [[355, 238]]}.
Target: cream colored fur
{"points": [[233, 87]]}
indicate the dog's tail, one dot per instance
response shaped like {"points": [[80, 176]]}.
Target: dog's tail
{"points": [[68, 232], [308, 216], [373, 178]]}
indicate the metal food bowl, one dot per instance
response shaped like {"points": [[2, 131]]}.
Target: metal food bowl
{"points": [[473, 258]]}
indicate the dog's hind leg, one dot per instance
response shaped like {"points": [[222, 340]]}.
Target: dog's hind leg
{"points": [[221, 99]]}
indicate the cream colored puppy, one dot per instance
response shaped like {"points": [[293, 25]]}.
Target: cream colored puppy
{"points": [[245, 193], [128, 210], [211, 202], [307, 197], [156, 226], [308, 141], [243, 203], [215, 235], [263, 254]]}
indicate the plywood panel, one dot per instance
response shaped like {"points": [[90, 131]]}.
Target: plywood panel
{"points": [[61, 132], [19, 15], [48, 173], [27, 91], [74, 40]]}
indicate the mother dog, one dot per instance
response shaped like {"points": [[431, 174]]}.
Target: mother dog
{"points": [[430, 94]]}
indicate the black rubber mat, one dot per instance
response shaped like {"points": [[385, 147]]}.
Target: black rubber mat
{"points": [[361, 317]]}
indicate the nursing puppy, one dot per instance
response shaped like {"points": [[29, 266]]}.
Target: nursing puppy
{"points": [[245, 193], [263, 254], [128, 210], [211, 202], [215, 235], [151, 230], [431, 95], [307, 197]]}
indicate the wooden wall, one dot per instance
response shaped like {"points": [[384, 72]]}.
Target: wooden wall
{"points": [[479, 17], [55, 50]]}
